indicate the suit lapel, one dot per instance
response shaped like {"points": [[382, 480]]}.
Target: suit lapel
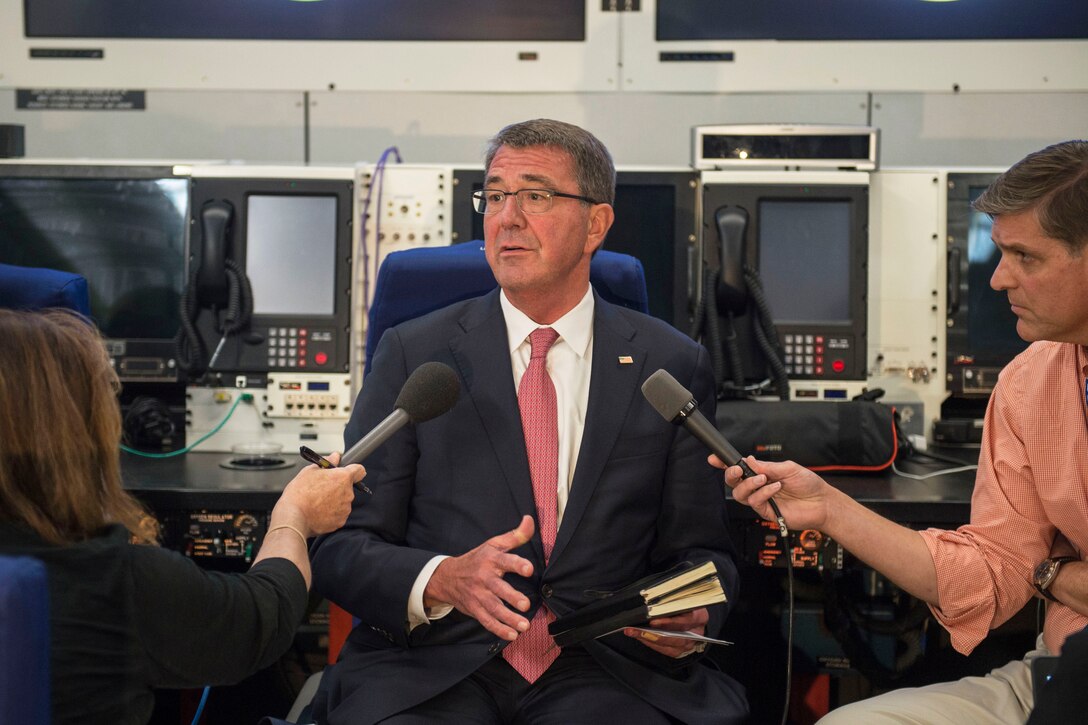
{"points": [[611, 388], [483, 358]]}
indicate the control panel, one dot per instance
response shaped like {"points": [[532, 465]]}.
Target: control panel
{"points": [[405, 206], [809, 549], [308, 396], [787, 259], [402, 206], [143, 360], [262, 422], [226, 535], [300, 347], [270, 270], [817, 355]]}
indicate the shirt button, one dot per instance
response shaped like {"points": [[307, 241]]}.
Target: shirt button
{"points": [[546, 590], [494, 648]]}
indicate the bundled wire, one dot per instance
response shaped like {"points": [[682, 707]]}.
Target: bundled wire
{"points": [[377, 180]]}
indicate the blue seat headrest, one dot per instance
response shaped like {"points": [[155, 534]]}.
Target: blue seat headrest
{"points": [[33, 288], [413, 282]]}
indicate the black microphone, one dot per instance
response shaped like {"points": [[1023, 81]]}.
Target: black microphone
{"points": [[431, 390], [677, 405]]}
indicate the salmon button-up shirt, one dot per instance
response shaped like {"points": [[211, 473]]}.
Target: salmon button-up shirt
{"points": [[1030, 499]]}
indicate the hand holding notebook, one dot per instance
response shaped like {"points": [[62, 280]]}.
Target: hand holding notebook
{"points": [[683, 588]]}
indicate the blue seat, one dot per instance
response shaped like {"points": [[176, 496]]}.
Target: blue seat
{"points": [[34, 288], [414, 282], [24, 641]]}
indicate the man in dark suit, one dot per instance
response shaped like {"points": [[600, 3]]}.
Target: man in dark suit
{"points": [[552, 431]]}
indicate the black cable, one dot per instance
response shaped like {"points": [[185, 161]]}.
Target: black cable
{"points": [[724, 347], [938, 457], [755, 286], [192, 351], [698, 316], [239, 307], [774, 362], [908, 450], [706, 327], [785, 534], [766, 334], [239, 299], [732, 352]]}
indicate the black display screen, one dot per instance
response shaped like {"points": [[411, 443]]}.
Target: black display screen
{"points": [[868, 20], [126, 236], [406, 20], [645, 228], [804, 259], [291, 254]]}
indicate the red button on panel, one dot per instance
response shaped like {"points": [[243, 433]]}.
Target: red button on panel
{"points": [[321, 358], [838, 365]]}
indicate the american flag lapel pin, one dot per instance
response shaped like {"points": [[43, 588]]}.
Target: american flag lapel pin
{"points": [[626, 359]]}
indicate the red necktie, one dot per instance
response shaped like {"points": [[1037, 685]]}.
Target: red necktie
{"points": [[534, 650]]}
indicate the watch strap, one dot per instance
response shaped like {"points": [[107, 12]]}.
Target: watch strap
{"points": [[1058, 561]]}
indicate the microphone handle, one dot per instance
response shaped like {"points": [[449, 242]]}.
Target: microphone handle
{"points": [[709, 435], [378, 435], [698, 425], [748, 472]]}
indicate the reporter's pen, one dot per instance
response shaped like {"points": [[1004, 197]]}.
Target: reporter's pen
{"points": [[322, 462]]}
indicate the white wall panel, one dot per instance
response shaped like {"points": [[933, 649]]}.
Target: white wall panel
{"points": [[639, 128], [933, 129], [974, 129], [254, 126]]}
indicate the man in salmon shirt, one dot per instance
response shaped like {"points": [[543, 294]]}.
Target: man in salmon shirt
{"points": [[1028, 532]]}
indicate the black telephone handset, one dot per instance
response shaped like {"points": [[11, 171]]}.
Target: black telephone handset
{"points": [[731, 288], [219, 284], [739, 297], [211, 279]]}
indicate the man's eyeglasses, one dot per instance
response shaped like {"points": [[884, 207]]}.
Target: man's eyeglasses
{"points": [[530, 201]]}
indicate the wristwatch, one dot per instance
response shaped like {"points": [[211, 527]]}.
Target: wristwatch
{"points": [[1047, 572]]}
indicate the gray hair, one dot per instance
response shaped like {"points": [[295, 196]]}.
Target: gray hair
{"points": [[1054, 183], [593, 167]]}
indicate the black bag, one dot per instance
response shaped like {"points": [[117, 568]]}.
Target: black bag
{"points": [[822, 436]]}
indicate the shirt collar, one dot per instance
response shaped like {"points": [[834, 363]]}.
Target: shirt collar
{"points": [[575, 327]]}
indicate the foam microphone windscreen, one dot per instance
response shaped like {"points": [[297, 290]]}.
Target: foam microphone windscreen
{"points": [[431, 390], [666, 395]]}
